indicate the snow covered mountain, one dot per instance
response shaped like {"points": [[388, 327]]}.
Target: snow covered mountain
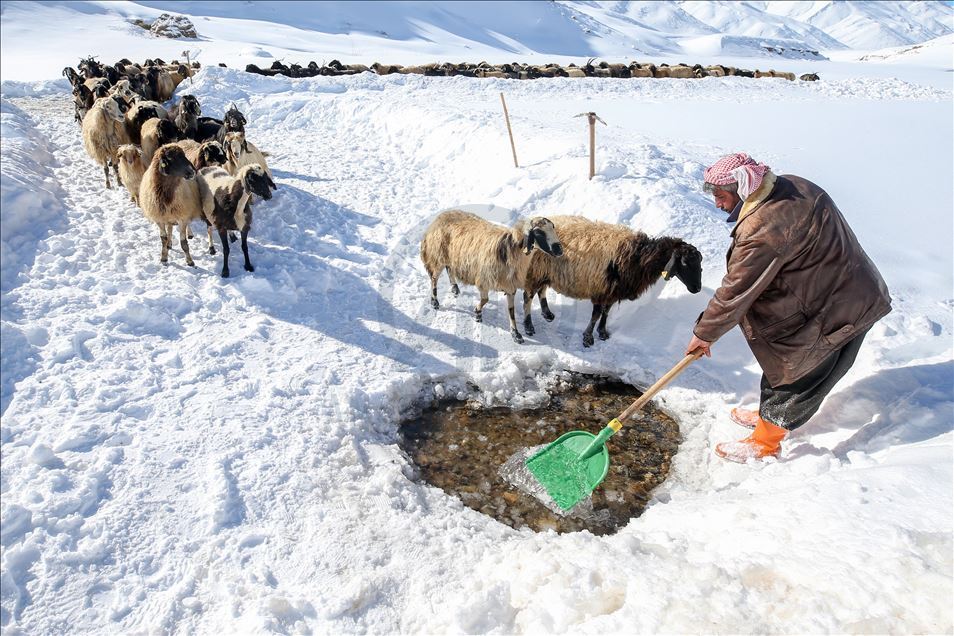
{"points": [[561, 30]]}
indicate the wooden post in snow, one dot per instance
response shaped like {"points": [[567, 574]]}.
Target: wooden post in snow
{"points": [[592, 118], [189, 64], [509, 131]]}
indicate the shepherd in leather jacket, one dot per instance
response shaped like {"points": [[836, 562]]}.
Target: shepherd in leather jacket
{"points": [[801, 288]]}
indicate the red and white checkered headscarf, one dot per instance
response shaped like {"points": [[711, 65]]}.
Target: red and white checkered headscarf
{"points": [[737, 168]]}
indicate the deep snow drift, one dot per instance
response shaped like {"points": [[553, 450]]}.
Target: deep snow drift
{"points": [[186, 453]]}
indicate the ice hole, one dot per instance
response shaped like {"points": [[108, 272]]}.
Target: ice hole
{"points": [[461, 447]]}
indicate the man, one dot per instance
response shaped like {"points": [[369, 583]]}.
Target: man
{"points": [[801, 288]]}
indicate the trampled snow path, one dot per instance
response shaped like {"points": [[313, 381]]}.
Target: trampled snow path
{"points": [[192, 453]]}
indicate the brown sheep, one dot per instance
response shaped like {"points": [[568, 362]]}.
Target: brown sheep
{"points": [[478, 252]]}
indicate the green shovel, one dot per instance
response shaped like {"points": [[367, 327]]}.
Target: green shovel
{"points": [[574, 465]]}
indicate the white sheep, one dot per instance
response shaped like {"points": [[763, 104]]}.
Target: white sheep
{"points": [[131, 169], [605, 264], [169, 196], [241, 152], [481, 253], [226, 203], [104, 132]]}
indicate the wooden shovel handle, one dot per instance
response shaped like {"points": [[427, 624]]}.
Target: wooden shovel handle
{"points": [[660, 383]]}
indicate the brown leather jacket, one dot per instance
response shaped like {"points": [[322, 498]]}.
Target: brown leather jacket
{"points": [[797, 281]]}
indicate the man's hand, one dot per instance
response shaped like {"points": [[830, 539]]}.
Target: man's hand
{"points": [[698, 343]]}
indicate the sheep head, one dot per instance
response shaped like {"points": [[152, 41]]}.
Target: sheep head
{"points": [[130, 153], [234, 120], [172, 162], [257, 181], [235, 145], [685, 263], [211, 153], [543, 234]]}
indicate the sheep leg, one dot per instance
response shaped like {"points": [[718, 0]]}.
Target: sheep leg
{"points": [[527, 319], [248, 263], [588, 332], [453, 281], [184, 243], [232, 237], [223, 236], [514, 333], [601, 328], [115, 165], [434, 276], [544, 305], [208, 228], [109, 186], [479, 309], [164, 239]]}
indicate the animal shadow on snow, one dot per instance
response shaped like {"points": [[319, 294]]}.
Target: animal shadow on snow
{"points": [[284, 174], [895, 406], [300, 234]]}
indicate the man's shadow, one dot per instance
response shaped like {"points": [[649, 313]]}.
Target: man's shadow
{"points": [[898, 406]]}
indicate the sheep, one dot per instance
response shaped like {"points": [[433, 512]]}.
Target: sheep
{"points": [[185, 114], [606, 264], [226, 204], [169, 195], [104, 133], [242, 153], [131, 169], [234, 121], [477, 252], [155, 134], [138, 114], [123, 88], [204, 155], [74, 78], [160, 83]]}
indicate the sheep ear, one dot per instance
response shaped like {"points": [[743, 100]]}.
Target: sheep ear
{"points": [[667, 270], [529, 240], [271, 184]]}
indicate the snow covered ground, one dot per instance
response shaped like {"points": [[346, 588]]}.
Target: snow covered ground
{"points": [[183, 453]]}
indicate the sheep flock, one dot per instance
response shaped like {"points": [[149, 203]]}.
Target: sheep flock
{"points": [[180, 166]]}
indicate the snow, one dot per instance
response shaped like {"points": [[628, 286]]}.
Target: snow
{"points": [[183, 453]]}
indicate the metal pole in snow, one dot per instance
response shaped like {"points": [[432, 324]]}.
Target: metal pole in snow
{"points": [[509, 131]]}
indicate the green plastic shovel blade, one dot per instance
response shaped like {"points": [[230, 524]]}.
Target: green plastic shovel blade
{"points": [[567, 478]]}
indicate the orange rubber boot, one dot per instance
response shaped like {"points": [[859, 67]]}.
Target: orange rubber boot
{"points": [[763, 442], [744, 417]]}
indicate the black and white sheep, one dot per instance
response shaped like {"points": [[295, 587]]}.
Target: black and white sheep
{"points": [[478, 252], [104, 132], [606, 264], [169, 196], [226, 204]]}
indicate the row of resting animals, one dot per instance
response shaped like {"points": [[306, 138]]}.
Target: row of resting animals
{"points": [[518, 70], [577, 257], [177, 165]]}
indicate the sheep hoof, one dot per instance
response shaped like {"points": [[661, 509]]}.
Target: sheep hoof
{"points": [[528, 326], [548, 315], [249, 268], [455, 290], [232, 237], [211, 249], [225, 273], [435, 304], [587, 340], [479, 317], [516, 336], [603, 334]]}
